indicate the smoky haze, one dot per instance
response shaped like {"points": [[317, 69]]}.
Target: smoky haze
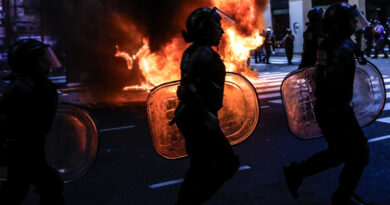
{"points": [[88, 31]]}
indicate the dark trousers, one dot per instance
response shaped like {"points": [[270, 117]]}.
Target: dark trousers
{"points": [[346, 145], [289, 54], [368, 48], [258, 56], [267, 49], [212, 161], [23, 172], [380, 47]]}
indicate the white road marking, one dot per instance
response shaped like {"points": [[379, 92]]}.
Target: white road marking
{"points": [[178, 181], [387, 107], [386, 80], [271, 74], [385, 120], [272, 95], [263, 90], [117, 128], [379, 138], [265, 84], [276, 101], [269, 80]]}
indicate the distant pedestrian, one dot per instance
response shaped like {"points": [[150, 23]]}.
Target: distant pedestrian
{"points": [[369, 39], [379, 39], [387, 34], [268, 36], [288, 41], [258, 54]]}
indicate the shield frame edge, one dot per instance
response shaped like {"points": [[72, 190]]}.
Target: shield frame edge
{"points": [[232, 144], [303, 69]]}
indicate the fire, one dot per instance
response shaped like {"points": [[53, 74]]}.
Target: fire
{"points": [[164, 65]]}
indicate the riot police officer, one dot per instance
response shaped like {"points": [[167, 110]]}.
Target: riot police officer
{"points": [[288, 41], [28, 107], [311, 37], [212, 160], [379, 31], [268, 42], [334, 88], [369, 39]]}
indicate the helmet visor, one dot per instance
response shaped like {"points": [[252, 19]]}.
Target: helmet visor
{"points": [[361, 22], [51, 58], [221, 19], [359, 19]]}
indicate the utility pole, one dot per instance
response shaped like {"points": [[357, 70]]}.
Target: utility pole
{"points": [[9, 19]]}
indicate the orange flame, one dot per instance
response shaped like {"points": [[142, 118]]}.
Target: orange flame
{"points": [[164, 65]]}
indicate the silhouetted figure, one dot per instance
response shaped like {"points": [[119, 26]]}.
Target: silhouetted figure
{"points": [[288, 41], [369, 39], [267, 45], [28, 107], [311, 37], [212, 160], [258, 54], [387, 33], [379, 39], [334, 76]]}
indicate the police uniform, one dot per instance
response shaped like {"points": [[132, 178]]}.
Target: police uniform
{"points": [[27, 110], [336, 118], [212, 160], [334, 80], [29, 104]]}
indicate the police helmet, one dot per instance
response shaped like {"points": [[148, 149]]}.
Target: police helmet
{"points": [[203, 25], [315, 15], [24, 53], [342, 19]]}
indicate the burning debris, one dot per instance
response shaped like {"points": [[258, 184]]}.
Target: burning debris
{"points": [[163, 65], [147, 35]]}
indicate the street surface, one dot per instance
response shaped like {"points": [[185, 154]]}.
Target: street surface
{"points": [[129, 171]]}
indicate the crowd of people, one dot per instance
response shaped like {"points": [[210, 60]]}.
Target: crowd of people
{"points": [[263, 53], [372, 40]]}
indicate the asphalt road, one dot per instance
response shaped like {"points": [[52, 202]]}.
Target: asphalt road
{"points": [[129, 171]]}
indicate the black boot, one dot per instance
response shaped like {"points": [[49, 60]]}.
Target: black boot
{"points": [[293, 179]]}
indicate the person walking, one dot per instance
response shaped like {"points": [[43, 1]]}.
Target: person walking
{"points": [[27, 110], [288, 41], [212, 159], [334, 78]]}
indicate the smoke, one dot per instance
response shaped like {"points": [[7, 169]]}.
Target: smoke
{"points": [[88, 31]]}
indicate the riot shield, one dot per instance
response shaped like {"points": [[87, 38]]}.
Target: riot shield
{"points": [[298, 90], [72, 144], [239, 115]]}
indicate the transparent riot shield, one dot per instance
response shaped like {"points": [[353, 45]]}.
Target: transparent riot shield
{"points": [[239, 115], [298, 90], [72, 144]]}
